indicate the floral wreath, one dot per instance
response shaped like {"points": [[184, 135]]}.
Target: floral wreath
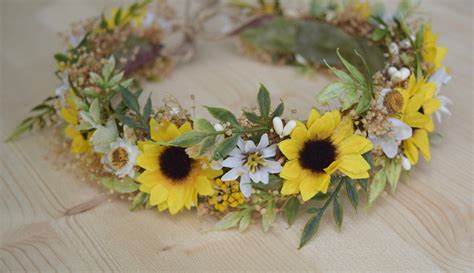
{"points": [[257, 164]]}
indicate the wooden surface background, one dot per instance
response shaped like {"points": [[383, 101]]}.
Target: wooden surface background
{"points": [[53, 221]]}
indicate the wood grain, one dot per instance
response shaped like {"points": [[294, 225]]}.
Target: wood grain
{"points": [[53, 221]]}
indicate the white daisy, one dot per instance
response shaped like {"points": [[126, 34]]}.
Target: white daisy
{"points": [[121, 158], [389, 143], [251, 163], [441, 78]]}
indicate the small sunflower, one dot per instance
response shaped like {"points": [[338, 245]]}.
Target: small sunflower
{"points": [[171, 177], [318, 149], [419, 105], [431, 53], [70, 113]]}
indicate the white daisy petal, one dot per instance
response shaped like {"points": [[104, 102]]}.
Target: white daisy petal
{"points": [[245, 186], [390, 148], [233, 174], [255, 176], [269, 151], [232, 162], [273, 166], [264, 176], [241, 144], [263, 142], [402, 131], [249, 147]]}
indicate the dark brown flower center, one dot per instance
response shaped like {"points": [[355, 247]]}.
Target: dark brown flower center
{"points": [[119, 158], [317, 155], [175, 163]]}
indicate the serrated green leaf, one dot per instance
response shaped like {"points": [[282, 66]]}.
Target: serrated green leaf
{"points": [[139, 200], [377, 186], [188, 139], [245, 221], [337, 212], [291, 210], [264, 101], [226, 147], [269, 217], [223, 115], [230, 220], [352, 193], [311, 228]]}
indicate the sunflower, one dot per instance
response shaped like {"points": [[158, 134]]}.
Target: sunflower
{"points": [[419, 103], [431, 53], [318, 149], [171, 177], [70, 114]]}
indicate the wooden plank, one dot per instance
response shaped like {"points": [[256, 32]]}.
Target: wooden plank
{"points": [[52, 220]]}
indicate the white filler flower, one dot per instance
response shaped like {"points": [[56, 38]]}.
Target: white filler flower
{"points": [[441, 78], [389, 143], [251, 163], [121, 158]]}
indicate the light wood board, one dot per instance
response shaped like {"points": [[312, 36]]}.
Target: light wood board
{"points": [[427, 225]]}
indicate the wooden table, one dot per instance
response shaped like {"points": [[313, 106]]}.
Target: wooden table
{"points": [[53, 221]]}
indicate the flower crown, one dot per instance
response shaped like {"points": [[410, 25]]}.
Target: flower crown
{"points": [[254, 165]]}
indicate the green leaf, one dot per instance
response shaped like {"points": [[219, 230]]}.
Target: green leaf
{"points": [[352, 193], [352, 70], [207, 143], [311, 228], [264, 101], [61, 58], [342, 75], [129, 121], [108, 68], [139, 200], [364, 183], [252, 117], [245, 221], [188, 139], [94, 111], [291, 210], [269, 217], [147, 110], [130, 100], [320, 196], [223, 115], [274, 183], [230, 220], [345, 92], [24, 126], [116, 79], [226, 147], [204, 125], [377, 186], [393, 169], [379, 34], [278, 112], [364, 103], [126, 185], [337, 212]]}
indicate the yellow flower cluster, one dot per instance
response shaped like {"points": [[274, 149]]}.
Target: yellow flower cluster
{"points": [[227, 194]]}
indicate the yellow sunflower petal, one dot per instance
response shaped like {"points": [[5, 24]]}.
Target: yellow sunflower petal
{"points": [[189, 193], [313, 184], [313, 116], [432, 105], [211, 173], [291, 170], [69, 115], [291, 186], [332, 167], [289, 148], [343, 131], [163, 206], [410, 151], [172, 132], [149, 178], [351, 165], [421, 140], [203, 185], [416, 119], [355, 145], [325, 126], [186, 127], [148, 161], [176, 199], [300, 134], [155, 130], [158, 195]]}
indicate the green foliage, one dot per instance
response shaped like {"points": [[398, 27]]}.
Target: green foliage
{"points": [[352, 193], [139, 201], [268, 218], [393, 169], [291, 209], [274, 183], [42, 115], [264, 105], [140, 119], [337, 212], [125, 185], [377, 186]]}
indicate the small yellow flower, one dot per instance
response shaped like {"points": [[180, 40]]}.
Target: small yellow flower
{"points": [[70, 114], [432, 54], [227, 194], [419, 105], [171, 177], [363, 8], [319, 148]]}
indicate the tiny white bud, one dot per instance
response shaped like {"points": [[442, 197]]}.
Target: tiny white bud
{"points": [[278, 126], [218, 127], [300, 59], [405, 44], [392, 70], [289, 128], [405, 73], [396, 77], [393, 49], [406, 164]]}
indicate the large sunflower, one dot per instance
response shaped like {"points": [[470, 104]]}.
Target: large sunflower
{"points": [[419, 103], [171, 177], [318, 149]]}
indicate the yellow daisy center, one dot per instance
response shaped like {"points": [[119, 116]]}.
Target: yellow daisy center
{"points": [[175, 163], [253, 161], [316, 155], [393, 101], [119, 158]]}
